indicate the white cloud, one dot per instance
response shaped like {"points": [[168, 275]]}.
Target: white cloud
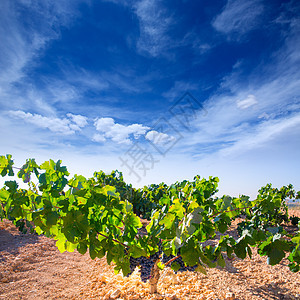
{"points": [[104, 124], [63, 126], [98, 138], [79, 120], [159, 138], [238, 17], [117, 132], [247, 102]]}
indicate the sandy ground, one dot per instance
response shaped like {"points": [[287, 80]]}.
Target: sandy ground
{"points": [[31, 267]]}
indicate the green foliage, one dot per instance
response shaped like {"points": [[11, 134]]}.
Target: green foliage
{"points": [[6, 164], [101, 215]]}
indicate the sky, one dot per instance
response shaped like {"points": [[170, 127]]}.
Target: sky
{"points": [[160, 90]]}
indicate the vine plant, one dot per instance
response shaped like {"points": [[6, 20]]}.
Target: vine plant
{"points": [[101, 215]]}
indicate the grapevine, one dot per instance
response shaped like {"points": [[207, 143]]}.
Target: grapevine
{"points": [[101, 215]]}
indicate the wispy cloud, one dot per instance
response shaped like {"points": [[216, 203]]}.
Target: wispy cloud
{"points": [[65, 126], [247, 102], [238, 17], [28, 34], [260, 135], [179, 88], [155, 21], [27, 28], [243, 115]]}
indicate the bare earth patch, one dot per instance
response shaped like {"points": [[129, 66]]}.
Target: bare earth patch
{"points": [[31, 267]]}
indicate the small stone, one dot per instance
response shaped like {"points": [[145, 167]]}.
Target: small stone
{"points": [[107, 295], [115, 294], [230, 296], [171, 297], [103, 279]]}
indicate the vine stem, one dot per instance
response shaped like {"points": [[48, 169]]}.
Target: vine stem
{"points": [[171, 260], [124, 245], [154, 277], [17, 168]]}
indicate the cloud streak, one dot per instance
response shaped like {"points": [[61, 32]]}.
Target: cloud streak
{"points": [[238, 17], [155, 21], [247, 102], [28, 34], [262, 134], [246, 116], [62, 126]]}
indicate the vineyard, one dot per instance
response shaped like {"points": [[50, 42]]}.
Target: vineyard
{"points": [[156, 234]]}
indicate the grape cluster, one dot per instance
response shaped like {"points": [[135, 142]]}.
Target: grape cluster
{"points": [[146, 265], [178, 260], [134, 262]]}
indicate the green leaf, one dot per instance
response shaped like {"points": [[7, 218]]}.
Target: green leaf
{"points": [[221, 262], [190, 253], [275, 256], [51, 218], [277, 251], [42, 179], [124, 266], [177, 209], [195, 217], [4, 194], [12, 185], [160, 265], [93, 253], [61, 245], [165, 200], [240, 249], [128, 207], [296, 239], [6, 164], [201, 268], [168, 220], [136, 252], [17, 212], [175, 266], [81, 200], [70, 247], [133, 220]]}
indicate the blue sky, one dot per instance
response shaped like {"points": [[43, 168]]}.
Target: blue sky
{"points": [[161, 90]]}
